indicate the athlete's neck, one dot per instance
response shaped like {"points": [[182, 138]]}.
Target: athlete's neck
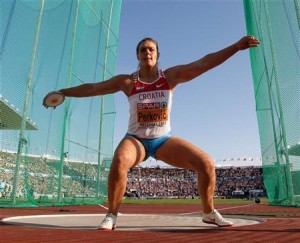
{"points": [[148, 75]]}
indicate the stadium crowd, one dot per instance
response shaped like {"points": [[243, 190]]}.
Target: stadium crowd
{"points": [[159, 182], [79, 180]]}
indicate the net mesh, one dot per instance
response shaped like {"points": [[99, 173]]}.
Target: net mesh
{"points": [[60, 156], [276, 74]]}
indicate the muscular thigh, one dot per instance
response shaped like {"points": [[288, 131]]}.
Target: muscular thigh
{"points": [[181, 153], [130, 152]]}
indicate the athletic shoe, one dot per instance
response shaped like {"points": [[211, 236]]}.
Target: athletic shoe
{"points": [[215, 218], [108, 223]]}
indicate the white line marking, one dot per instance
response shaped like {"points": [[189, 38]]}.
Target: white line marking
{"points": [[241, 206], [107, 208], [219, 209], [103, 206]]}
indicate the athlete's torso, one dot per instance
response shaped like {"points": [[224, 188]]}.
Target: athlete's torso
{"points": [[150, 107]]}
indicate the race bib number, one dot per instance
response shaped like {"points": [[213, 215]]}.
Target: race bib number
{"points": [[152, 114]]}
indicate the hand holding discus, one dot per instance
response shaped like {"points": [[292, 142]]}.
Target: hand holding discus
{"points": [[53, 99]]}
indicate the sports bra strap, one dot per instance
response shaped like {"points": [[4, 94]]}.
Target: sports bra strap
{"points": [[161, 73], [135, 76]]}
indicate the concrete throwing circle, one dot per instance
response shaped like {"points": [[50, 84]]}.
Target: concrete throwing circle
{"points": [[126, 222]]}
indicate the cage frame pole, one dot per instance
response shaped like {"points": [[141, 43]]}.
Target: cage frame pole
{"points": [[67, 105], [280, 109], [22, 139]]}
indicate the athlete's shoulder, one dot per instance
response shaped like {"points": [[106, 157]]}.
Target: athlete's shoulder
{"points": [[124, 82], [122, 77]]}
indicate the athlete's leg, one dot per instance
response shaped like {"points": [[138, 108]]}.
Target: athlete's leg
{"points": [[180, 153], [129, 153]]}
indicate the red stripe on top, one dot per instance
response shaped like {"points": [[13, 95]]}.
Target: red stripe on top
{"points": [[140, 87]]}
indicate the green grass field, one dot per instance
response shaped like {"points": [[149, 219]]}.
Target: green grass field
{"points": [[188, 201], [67, 201]]}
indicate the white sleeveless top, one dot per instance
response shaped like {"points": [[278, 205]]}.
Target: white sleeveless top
{"points": [[150, 107]]}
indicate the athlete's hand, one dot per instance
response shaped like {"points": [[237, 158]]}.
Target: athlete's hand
{"points": [[247, 42]]}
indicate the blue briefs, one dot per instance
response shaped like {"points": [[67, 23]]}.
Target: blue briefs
{"points": [[151, 145]]}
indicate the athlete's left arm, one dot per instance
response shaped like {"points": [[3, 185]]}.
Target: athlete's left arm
{"points": [[187, 72]]}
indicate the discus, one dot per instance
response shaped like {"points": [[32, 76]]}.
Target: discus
{"points": [[53, 99]]}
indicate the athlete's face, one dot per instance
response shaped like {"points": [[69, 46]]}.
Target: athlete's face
{"points": [[147, 53]]}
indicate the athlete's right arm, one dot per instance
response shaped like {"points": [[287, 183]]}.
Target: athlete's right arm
{"points": [[112, 85]]}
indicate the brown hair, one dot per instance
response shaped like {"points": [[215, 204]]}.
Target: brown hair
{"points": [[146, 39]]}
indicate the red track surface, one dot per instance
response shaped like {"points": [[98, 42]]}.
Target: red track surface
{"points": [[282, 225]]}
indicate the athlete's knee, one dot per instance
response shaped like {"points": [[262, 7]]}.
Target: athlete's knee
{"points": [[206, 166], [121, 164]]}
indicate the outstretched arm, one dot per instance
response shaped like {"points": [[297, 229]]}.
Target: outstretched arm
{"points": [[184, 73], [113, 85]]}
